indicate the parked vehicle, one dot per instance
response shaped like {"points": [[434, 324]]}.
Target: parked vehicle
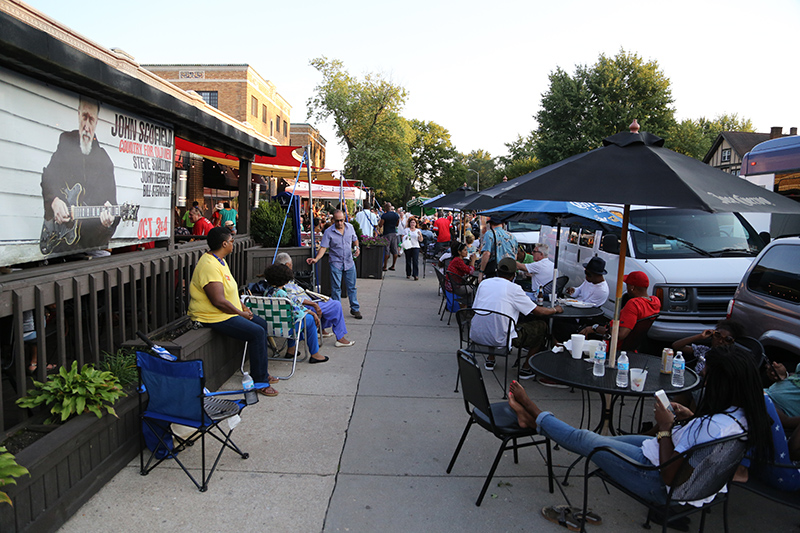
{"points": [[526, 233], [775, 165], [767, 301], [694, 261]]}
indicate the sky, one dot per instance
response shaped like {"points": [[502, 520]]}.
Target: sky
{"points": [[476, 68]]}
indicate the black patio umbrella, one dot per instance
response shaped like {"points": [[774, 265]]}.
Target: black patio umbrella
{"points": [[478, 202], [635, 168], [448, 199]]}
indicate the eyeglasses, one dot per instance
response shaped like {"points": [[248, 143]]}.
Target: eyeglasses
{"points": [[726, 338], [337, 220], [538, 252]]}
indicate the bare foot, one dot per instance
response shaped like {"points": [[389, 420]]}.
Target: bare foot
{"points": [[741, 474], [524, 419], [522, 398]]}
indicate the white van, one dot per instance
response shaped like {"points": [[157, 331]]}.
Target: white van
{"points": [[694, 260]]}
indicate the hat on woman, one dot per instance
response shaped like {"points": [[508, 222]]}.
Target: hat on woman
{"points": [[219, 207]]}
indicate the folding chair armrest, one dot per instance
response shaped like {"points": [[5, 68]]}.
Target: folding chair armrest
{"points": [[223, 393], [620, 455]]}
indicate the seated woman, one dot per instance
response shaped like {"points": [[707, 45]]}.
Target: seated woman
{"points": [[215, 304], [782, 478], [329, 312], [695, 347], [733, 404], [462, 267], [277, 277]]}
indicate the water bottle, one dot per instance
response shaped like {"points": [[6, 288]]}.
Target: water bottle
{"points": [[623, 365], [250, 396], [678, 365], [599, 361]]}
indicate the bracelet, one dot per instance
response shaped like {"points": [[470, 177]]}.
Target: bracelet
{"points": [[662, 434]]}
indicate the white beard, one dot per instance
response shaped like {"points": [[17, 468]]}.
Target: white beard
{"points": [[86, 147]]}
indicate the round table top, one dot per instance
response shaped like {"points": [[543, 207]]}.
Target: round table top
{"points": [[574, 312], [578, 373]]}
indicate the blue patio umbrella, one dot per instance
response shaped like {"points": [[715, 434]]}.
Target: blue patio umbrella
{"points": [[558, 213]]}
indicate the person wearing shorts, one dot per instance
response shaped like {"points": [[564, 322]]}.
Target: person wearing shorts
{"points": [[389, 222]]}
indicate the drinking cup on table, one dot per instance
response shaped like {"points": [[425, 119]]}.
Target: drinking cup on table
{"points": [[577, 345], [590, 346], [638, 377]]}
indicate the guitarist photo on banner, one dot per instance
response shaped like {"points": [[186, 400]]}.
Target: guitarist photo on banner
{"points": [[79, 189]]}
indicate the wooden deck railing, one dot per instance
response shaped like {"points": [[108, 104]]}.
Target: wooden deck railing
{"points": [[84, 308]]}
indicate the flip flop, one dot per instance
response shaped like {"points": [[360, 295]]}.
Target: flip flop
{"points": [[269, 391], [591, 517], [561, 515]]}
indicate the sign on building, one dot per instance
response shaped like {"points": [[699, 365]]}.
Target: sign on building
{"points": [[77, 174]]}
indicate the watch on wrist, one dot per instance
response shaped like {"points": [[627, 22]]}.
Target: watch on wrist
{"points": [[662, 434], [594, 327]]}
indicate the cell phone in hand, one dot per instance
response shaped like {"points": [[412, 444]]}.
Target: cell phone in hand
{"points": [[661, 396]]}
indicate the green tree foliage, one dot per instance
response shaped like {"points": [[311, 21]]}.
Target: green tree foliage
{"points": [[266, 222], [579, 111], [695, 137], [481, 161], [521, 158], [365, 114], [433, 156]]}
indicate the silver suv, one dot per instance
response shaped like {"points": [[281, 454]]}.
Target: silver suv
{"points": [[767, 301]]}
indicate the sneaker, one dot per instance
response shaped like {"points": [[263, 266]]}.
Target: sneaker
{"points": [[489, 365], [526, 373], [356, 314], [549, 383]]}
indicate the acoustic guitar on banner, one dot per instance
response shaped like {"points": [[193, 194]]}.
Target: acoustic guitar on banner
{"points": [[55, 233]]}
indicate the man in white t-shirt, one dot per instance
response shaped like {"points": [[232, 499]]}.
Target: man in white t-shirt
{"points": [[541, 270], [504, 296], [595, 289]]}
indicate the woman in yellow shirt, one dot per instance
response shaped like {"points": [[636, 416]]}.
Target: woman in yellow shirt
{"points": [[215, 304]]}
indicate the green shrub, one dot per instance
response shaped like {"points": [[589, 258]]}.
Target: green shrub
{"points": [[356, 226], [73, 393], [122, 364], [9, 469], [266, 222]]}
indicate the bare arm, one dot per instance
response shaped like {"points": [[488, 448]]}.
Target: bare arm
{"points": [[216, 295], [320, 253]]}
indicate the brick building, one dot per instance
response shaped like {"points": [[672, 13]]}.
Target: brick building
{"points": [[237, 90], [303, 134]]}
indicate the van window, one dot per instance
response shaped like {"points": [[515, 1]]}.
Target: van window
{"points": [[514, 226], [687, 233], [777, 274]]}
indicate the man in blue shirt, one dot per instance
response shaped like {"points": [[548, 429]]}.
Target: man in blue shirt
{"points": [[342, 241]]}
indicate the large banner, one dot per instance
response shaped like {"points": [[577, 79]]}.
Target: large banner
{"points": [[77, 175]]}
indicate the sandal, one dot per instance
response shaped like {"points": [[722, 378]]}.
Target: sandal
{"points": [[273, 379], [591, 517], [269, 391], [561, 515]]}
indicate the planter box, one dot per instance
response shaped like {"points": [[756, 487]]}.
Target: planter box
{"points": [[259, 258], [372, 262], [221, 355], [69, 465]]}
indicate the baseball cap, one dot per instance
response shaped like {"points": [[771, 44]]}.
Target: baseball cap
{"points": [[507, 264], [637, 278]]}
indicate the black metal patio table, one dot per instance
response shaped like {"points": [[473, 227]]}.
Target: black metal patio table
{"points": [[577, 373]]}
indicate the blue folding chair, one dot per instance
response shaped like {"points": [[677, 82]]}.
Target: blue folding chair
{"points": [[173, 392]]}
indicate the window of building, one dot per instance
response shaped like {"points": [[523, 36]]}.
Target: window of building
{"points": [[263, 113], [285, 129], [210, 97], [277, 124], [271, 126], [726, 155], [254, 106]]}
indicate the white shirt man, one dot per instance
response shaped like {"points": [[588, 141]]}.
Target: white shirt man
{"points": [[365, 222], [541, 270], [595, 289]]}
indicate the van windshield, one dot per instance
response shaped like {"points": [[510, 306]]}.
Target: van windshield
{"points": [[514, 226], [687, 233]]}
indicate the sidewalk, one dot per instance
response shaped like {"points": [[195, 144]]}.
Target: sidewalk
{"points": [[361, 444]]}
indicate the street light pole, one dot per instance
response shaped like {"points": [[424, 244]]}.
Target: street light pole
{"points": [[479, 177]]}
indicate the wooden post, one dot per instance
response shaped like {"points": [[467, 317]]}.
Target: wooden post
{"points": [[245, 177]]}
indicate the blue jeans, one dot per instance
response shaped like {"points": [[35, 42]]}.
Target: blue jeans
{"points": [[310, 333], [581, 441], [412, 262], [254, 332], [349, 280]]}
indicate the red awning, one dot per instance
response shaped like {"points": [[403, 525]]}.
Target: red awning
{"points": [[286, 156]]}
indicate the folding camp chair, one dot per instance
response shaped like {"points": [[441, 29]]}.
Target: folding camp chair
{"points": [[277, 312], [174, 393]]}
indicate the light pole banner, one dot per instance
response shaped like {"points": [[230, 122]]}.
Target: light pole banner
{"points": [[78, 175]]}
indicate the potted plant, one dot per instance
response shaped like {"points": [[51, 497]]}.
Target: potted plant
{"points": [[9, 469], [372, 251]]}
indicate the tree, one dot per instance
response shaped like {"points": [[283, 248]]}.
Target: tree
{"points": [[433, 156], [481, 162], [521, 157], [579, 111], [366, 118], [695, 137]]}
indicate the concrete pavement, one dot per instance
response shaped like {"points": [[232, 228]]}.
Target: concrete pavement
{"points": [[361, 444]]}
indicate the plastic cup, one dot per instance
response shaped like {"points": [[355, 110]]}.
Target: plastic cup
{"points": [[591, 346], [638, 377], [577, 345]]}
